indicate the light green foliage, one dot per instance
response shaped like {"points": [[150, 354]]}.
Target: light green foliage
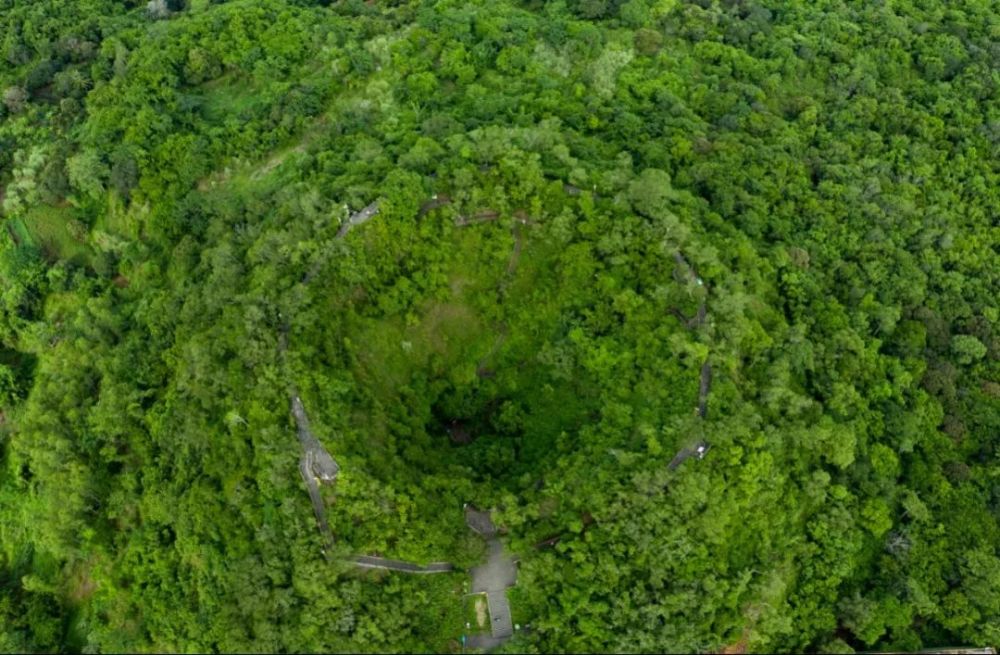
{"points": [[513, 328], [23, 189], [967, 348], [87, 173], [606, 68], [650, 194], [884, 461]]}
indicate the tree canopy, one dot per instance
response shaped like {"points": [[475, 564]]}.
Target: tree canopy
{"points": [[595, 236]]}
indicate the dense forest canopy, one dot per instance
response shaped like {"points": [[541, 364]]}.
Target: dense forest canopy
{"points": [[589, 213]]}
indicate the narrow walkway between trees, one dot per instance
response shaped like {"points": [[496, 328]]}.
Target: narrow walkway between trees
{"points": [[358, 218], [369, 562], [493, 579], [685, 273]]}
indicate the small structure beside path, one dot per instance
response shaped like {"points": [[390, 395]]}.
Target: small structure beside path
{"points": [[316, 466], [492, 579], [358, 218], [697, 450]]}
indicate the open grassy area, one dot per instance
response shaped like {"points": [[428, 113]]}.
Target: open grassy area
{"points": [[228, 96], [119, 218], [49, 229], [19, 231], [477, 614]]}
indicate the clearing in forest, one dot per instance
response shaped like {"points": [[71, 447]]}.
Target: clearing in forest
{"points": [[51, 228]]}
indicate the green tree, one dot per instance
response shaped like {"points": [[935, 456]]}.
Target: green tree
{"points": [[87, 173]]}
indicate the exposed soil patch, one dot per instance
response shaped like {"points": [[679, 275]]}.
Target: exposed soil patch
{"points": [[459, 433], [81, 585], [480, 612]]}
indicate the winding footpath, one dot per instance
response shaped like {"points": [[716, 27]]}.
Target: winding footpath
{"points": [[499, 572], [370, 562], [358, 218], [318, 467], [699, 448]]}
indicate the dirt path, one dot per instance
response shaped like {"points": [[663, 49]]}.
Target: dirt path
{"points": [[437, 200], [481, 369], [317, 501], [484, 216], [698, 449], [255, 170], [323, 466], [317, 466]]}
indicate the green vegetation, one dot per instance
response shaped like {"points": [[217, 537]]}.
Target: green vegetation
{"points": [[58, 231], [580, 204]]}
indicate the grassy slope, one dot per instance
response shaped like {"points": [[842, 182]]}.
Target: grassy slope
{"points": [[48, 227]]}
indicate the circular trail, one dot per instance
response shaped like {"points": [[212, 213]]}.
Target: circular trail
{"points": [[499, 572]]}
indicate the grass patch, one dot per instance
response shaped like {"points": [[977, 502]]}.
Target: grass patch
{"points": [[227, 96], [448, 337], [118, 219], [478, 352], [49, 229], [477, 615], [19, 232], [237, 96]]}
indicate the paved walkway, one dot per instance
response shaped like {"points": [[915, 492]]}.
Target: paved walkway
{"points": [[358, 218], [368, 562], [480, 522], [698, 449], [492, 578], [316, 467], [498, 573]]}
